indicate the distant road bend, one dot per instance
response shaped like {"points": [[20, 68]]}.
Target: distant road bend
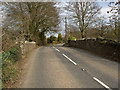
{"points": [[64, 67]]}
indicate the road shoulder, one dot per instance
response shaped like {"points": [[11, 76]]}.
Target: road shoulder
{"points": [[24, 65]]}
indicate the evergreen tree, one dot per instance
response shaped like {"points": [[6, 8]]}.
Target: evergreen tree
{"points": [[59, 37]]}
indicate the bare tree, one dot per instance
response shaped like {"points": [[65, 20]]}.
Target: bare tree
{"points": [[101, 26], [83, 14], [74, 31], [114, 19], [32, 18]]}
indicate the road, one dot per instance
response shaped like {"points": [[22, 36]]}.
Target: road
{"points": [[65, 67]]}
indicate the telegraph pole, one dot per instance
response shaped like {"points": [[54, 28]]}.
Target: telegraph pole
{"points": [[118, 21], [66, 30]]}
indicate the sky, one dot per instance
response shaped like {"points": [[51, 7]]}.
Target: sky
{"points": [[105, 8]]}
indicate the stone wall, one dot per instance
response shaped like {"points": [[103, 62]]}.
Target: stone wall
{"points": [[106, 48]]}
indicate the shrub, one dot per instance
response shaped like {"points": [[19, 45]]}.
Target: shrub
{"points": [[9, 68], [9, 71], [13, 54]]}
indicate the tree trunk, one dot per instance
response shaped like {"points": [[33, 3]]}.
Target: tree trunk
{"points": [[82, 34], [42, 38]]}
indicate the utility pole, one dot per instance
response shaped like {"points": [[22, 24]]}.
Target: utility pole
{"points": [[118, 21], [66, 30]]}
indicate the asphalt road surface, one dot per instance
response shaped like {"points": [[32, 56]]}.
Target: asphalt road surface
{"points": [[65, 67]]}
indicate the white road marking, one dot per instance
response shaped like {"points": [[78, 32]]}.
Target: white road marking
{"points": [[57, 50], [69, 59], [100, 82]]}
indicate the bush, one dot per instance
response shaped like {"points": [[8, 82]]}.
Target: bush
{"points": [[9, 72], [51, 39], [9, 68], [13, 54], [71, 38]]}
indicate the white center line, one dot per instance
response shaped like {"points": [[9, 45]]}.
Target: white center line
{"points": [[69, 59], [58, 50], [100, 82]]}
